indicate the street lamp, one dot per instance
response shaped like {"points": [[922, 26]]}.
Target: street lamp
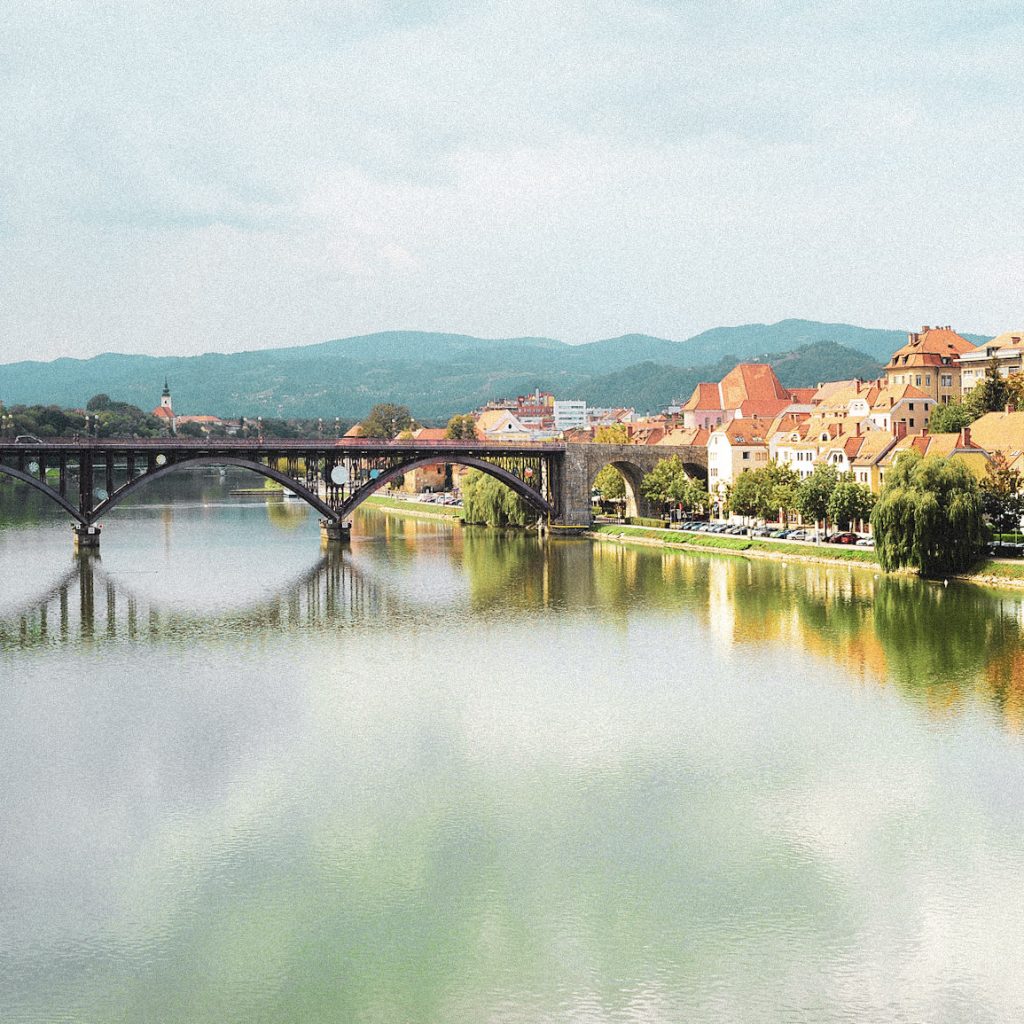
{"points": [[259, 428]]}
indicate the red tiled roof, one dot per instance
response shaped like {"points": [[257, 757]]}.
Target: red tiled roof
{"points": [[802, 396], [928, 346], [766, 407], [705, 396], [751, 381]]}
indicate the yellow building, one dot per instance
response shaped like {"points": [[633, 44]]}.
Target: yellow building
{"points": [[930, 361]]}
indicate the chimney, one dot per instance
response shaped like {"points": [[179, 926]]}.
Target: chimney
{"points": [[967, 437], [1010, 408], [924, 431], [925, 329], [901, 429], [856, 432], [856, 386]]}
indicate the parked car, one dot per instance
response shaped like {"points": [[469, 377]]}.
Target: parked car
{"points": [[799, 535], [842, 538], [779, 534], [762, 531], [866, 542], [27, 439]]}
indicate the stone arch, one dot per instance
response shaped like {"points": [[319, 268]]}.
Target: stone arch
{"points": [[525, 491], [121, 493], [54, 496], [632, 475]]}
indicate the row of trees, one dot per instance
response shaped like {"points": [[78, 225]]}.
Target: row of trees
{"points": [[101, 418], [777, 492]]}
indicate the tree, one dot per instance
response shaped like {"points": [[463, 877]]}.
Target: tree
{"points": [[850, 502], [614, 434], [97, 403], [929, 516], [486, 499], [387, 420], [951, 418], [667, 482], [696, 498], [814, 492], [611, 484], [1001, 497], [461, 428], [990, 394], [783, 499], [745, 495]]}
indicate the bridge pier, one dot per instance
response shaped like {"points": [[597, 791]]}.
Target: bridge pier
{"points": [[334, 531], [87, 538]]}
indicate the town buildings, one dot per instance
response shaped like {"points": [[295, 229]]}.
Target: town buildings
{"points": [[930, 362]]}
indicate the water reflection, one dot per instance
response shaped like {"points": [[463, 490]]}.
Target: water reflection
{"points": [[460, 775], [943, 647]]}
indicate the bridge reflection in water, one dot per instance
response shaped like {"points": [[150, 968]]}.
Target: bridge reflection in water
{"points": [[88, 604], [943, 648]]}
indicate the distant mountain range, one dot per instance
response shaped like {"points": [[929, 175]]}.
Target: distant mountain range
{"points": [[437, 375]]}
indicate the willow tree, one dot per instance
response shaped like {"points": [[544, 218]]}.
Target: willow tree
{"points": [[486, 499], [929, 516]]}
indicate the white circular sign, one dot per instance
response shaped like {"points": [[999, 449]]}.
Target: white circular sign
{"points": [[33, 468], [100, 493], [374, 473], [161, 460], [339, 475]]}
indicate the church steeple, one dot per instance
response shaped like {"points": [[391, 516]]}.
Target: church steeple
{"points": [[165, 398]]}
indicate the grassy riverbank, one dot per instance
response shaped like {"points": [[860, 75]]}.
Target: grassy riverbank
{"points": [[734, 545], [415, 508], [988, 573]]}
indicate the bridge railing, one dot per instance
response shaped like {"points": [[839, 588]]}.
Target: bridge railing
{"points": [[277, 444]]}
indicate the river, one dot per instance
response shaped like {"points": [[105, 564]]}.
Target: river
{"points": [[455, 775]]}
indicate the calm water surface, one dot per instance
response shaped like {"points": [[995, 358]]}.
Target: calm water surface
{"points": [[455, 775]]}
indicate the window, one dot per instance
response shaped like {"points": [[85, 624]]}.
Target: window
{"points": [[928, 379], [911, 406], [911, 420], [917, 380], [947, 380], [746, 455]]}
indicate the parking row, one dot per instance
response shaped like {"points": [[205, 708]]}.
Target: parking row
{"points": [[844, 537]]}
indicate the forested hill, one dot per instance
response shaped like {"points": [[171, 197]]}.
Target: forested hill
{"points": [[440, 374]]}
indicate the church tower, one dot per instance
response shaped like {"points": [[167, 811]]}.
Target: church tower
{"points": [[164, 411]]}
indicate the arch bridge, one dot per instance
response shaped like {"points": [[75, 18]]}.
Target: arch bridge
{"points": [[89, 478]]}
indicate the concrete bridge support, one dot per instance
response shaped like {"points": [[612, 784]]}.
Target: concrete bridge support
{"points": [[334, 531], [87, 538]]}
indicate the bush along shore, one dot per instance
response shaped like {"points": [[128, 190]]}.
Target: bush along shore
{"points": [[988, 572]]}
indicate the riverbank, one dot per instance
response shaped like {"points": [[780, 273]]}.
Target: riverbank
{"points": [[415, 508], [989, 573]]}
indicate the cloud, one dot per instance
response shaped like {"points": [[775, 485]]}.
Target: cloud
{"points": [[251, 174]]}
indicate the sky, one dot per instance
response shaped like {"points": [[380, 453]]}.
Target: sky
{"points": [[181, 178]]}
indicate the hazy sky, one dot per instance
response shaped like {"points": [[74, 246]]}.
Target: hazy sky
{"points": [[226, 175]]}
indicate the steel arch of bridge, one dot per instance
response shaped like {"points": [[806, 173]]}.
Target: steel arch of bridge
{"points": [[270, 472], [44, 488], [530, 494]]}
